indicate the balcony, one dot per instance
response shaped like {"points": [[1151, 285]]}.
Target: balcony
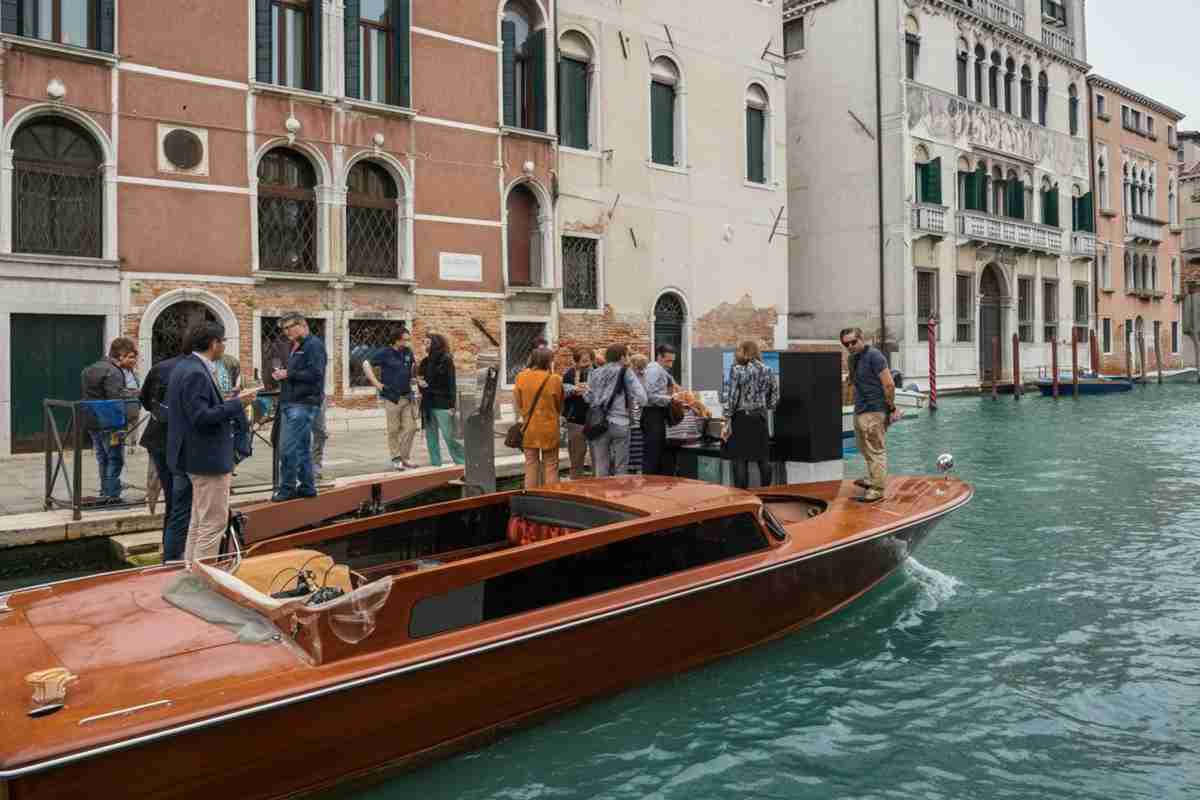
{"points": [[1083, 244], [1144, 229], [1191, 237], [982, 227], [998, 11], [1059, 41], [1054, 13], [929, 219]]}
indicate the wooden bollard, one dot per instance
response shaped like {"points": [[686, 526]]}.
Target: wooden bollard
{"points": [[1128, 354], [996, 367], [1094, 352], [932, 365], [1142, 353], [1075, 362], [1054, 370], [1158, 358], [1017, 386]]}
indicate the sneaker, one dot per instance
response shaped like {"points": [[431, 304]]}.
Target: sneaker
{"points": [[282, 498], [410, 464], [872, 496], [398, 465], [862, 483], [306, 495]]}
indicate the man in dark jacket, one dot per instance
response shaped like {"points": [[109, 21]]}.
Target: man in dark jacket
{"points": [[302, 390], [177, 489], [105, 380], [575, 408], [200, 437]]}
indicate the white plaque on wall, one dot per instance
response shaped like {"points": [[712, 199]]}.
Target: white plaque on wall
{"points": [[460, 267]]}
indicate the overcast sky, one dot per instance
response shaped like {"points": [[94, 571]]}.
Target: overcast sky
{"points": [[1149, 46]]}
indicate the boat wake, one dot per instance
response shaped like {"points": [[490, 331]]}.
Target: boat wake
{"points": [[933, 590]]}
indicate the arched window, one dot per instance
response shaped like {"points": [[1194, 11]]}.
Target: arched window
{"points": [[171, 326], [1027, 185], [1126, 191], [1172, 204], [58, 190], [1130, 272], [576, 70], [980, 60], [994, 80], [999, 192], [1014, 196], [963, 56], [1010, 77], [1073, 109], [287, 213], [1145, 272], [1102, 179], [666, 121], [912, 47], [372, 222], [670, 318], [525, 237], [523, 55], [1154, 273], [1026, 93], [758, 138], [1049, 203], [1043, 97]]}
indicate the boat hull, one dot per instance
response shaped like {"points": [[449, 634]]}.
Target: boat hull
{"points": [[407, 717], [1087, 386]]}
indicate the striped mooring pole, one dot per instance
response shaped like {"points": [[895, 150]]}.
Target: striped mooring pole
{"points": [[932, 365]]}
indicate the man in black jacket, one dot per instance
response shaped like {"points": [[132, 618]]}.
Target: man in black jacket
{"points": [[177, 489], [200, 429], [105, 380], [302, 390], [575, 409]]}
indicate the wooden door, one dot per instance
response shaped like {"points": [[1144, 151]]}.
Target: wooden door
{"points": [[48, 354]]}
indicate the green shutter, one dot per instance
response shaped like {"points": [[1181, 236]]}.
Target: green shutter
{"points": [[1087, 214], [755, 167], [105, 25], [662, 123], [968, 198], [1050, 207], [508, 36], [262, 40], [1018, 195], [537, 68], [573, 103], [931, 182], [401, 11], [353, 50], [315, 82]]}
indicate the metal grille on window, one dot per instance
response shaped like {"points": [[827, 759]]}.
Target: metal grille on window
{"points": [[172, 325], [518, 345], [670, 316], [1081, 313], [367, 337], [274, 347], [371, 216], [57, 190], [964, 307], [1050, 312], [1025, 309], [580, 273], [287, 213], [925, 303]]}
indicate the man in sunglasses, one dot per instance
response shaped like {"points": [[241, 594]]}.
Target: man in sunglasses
{"points": [[874, 409]]}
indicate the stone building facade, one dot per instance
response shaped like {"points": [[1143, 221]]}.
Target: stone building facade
{"points": [[963, 194], [671, 175], [1140, 228], [363, 161]]}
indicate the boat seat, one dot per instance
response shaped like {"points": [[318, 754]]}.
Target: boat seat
{"points": [[275, 572], [564, 513], [525, 531]]}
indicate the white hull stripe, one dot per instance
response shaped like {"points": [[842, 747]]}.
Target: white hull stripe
{"points": [[450, 657]]}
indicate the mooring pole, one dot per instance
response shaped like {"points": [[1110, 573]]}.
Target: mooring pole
{"points": [[1128, 354], [1075, 362], [1142, 353], [1094, 352], [932, 365], [1158, 357], [996, 366], [1054, 369], [1017, 385]]}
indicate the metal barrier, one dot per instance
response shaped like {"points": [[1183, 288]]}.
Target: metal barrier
{"points": [[73, 436]]}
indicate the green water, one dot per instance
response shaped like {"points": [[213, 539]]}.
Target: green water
{"points": [[1043, 645]]}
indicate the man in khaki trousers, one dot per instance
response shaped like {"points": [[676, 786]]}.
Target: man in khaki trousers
{"points": [[396, 367], [874, 409]]}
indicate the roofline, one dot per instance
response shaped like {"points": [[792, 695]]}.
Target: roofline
{"points": [[1129, 94]]}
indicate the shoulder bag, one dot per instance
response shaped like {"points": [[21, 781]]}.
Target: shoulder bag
{"points": [[515, 438], [597, 416]]}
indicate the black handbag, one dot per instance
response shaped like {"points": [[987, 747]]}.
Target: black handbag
{"points": [[597, 416], [515, 438]]}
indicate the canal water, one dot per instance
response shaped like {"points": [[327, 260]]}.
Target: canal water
{"points": [[1045, 644]]}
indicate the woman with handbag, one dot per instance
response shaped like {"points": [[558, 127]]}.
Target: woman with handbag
{"points": [[538, 398], [753, 393], [439, 389]]}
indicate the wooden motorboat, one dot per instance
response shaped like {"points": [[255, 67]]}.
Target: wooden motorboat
{"points": [[1086, 386], [451, 623]]}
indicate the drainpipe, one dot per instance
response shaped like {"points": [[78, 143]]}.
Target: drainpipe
{"points": [[1095, 207], [879, 170]]}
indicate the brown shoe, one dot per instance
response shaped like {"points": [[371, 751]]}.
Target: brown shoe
{"points": [[862, 483]]}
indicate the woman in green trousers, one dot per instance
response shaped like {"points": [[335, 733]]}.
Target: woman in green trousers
{"points": [[436, 376]]}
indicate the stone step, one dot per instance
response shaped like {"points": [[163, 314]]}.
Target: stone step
{"points": [[137, 549]]}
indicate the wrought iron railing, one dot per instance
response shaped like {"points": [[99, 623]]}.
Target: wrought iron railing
{"points": [[287, 234], [371, 242], [57, 211]]}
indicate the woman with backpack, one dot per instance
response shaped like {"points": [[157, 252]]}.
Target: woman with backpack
{"points": [[538, 398]]}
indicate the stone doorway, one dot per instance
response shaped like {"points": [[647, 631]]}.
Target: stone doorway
{"points": [[991, 323]]}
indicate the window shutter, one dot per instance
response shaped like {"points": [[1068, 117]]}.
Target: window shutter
{"points": [[1087, 213], [1018, 200], [402, 52], [316, 82], [508, 36], [106, 16], [353, 49], [662, 123], [931, 188], [262, 40], [537, 68], [755, 168], [968, 198], [573, 103]]}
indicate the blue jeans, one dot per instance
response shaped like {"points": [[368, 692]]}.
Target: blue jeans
{"points": [[177, 514], [295, 451], [110, 458]]}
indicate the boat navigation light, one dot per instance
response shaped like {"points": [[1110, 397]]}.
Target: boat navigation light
{"points": [[945, 463]]}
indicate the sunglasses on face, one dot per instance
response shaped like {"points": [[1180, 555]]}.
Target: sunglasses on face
{"points": [[850, 343]]}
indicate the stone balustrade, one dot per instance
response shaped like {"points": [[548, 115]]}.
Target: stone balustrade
{"points": [[928, 217], [1143, 228], [1002, 230], [1057, 40], [1083, 244]]}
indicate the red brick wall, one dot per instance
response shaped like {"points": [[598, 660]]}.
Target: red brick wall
{"points": [[729, 324]]}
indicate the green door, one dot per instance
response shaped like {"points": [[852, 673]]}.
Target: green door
{"points": [[48, 354]]}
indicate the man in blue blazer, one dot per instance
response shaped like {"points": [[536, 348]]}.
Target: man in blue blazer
{"points": [[200, 437]]}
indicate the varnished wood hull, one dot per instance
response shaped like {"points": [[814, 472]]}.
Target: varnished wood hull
{"points": [[465, 701]]}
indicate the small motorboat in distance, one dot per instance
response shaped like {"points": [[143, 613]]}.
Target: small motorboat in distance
{"points": [[333, 654], [1086, 386]]}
